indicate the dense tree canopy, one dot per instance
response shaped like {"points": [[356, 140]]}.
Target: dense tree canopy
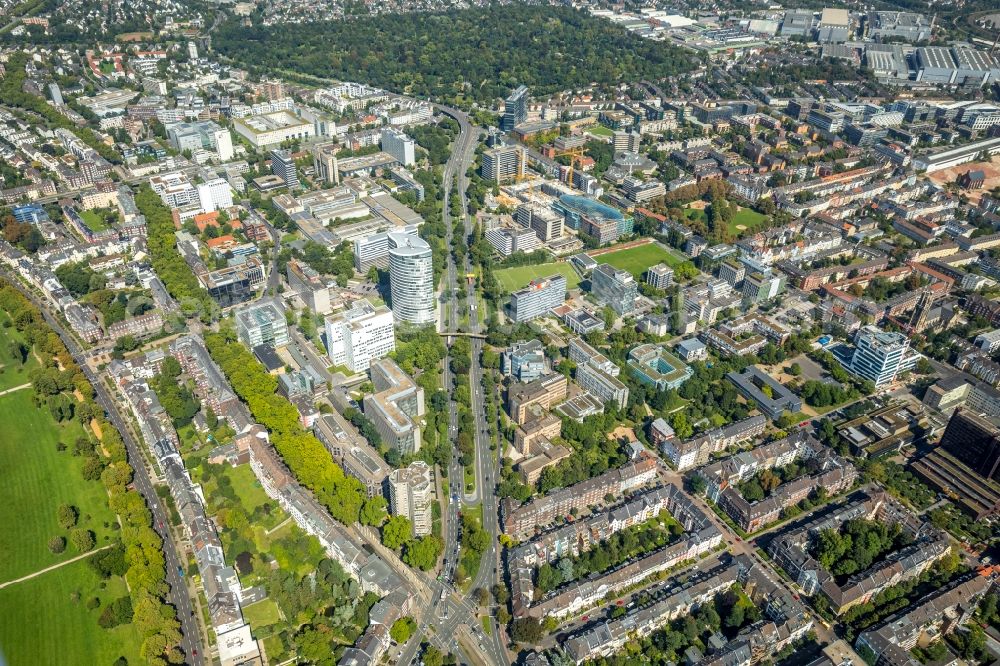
{"points": [[474, 54], [167, 261], [305, 456]]}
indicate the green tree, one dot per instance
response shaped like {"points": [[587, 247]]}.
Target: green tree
{"points": [[432, 656], [396, 532], [402, 629], [526, 630], [423, 552], [83, 540], [67, 516], [373, 511]]}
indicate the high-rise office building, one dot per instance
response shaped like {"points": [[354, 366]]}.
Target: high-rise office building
{"points": [[283, 166], [614, 287], [214, 195], [975, 440], [411, 494], [359, 336], [538, 298], [503, 163], [262, 324], [880, 355], [325, 163], [400, 146], [515, 109], [411, 279]]}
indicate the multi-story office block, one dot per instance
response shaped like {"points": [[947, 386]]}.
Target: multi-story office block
{"points": [[660, 276], [201, 136], [525, 361], [538, 298], [626, 141], [411, 279], [395, 407], [214, 195], [614, 287], [604, 386], [760, 287], [515, 109], [975, 440], [309, 285], [543, 393], [828, 121], [262, 324], [503, 163], [508, 241], [732, 272], [360, 335], [411, 494], [545, 222], [400, 146], [880, 355]]}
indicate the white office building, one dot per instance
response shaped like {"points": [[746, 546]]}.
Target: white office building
{"points": [[400, 146], [411, 279], [880, 355], [262, 324], [215, 195], [360, 335]]}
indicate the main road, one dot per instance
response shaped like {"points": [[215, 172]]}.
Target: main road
{"points": [[190, 631], [451, 611]]}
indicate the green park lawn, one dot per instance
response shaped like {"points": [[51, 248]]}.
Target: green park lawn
{"points": [[748, 218], [93, 221], [599, 130], [37, 479], [518, 277], [46, 619], [262, 614], [636, 260], [12, 373]]}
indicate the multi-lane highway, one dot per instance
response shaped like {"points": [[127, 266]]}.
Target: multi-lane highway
{"points": [[179, 597], [452, 613]]}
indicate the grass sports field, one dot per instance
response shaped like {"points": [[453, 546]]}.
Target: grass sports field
{"points": [[636, 260], [515, 278]]}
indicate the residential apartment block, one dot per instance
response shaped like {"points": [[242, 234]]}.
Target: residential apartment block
{"points": [[396, 406]]}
